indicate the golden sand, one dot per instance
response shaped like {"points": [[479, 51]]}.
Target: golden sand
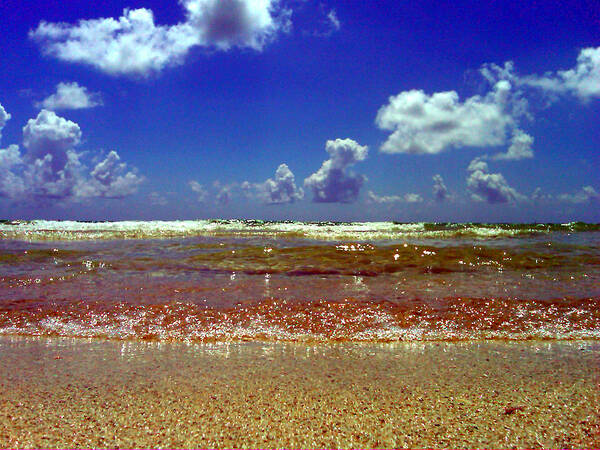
{"points": [[92, 393]]}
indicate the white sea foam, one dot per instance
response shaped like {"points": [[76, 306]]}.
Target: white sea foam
{"points": [[72, 230]]}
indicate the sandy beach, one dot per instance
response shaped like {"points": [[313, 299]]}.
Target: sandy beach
{"points": [[95, 393]]}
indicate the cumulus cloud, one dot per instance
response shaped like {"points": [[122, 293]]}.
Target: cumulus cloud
{"points": [[429, 124], [489, 187], [110, 179], [242, 23], [70, 96], [224, 193], [440, 191], [520, 147], [4, 117], [584, 195], [134, 45], [333, 182], [406, 198], [51, 167], [583, 80], [281, 189], [52, 136], [202, 193], [11, 185]]}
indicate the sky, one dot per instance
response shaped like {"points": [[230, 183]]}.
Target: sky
{"points": [[479, 111]]}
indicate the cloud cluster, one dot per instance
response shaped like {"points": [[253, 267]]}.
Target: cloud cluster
{"points": [[110, 179], [584, 195], [333, 182], [157, 199], [134, 45], [489, 187], [224, 192], [520, 147], [440, 191], [583, 80], [219, 193], [383, 199], [278, 190], [70, 96], [201, 192], [430, 124], [50, 137], [51, 168]]}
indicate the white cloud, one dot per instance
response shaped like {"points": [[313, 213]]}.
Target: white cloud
{"points": [[326, 23], [228, 23], [538, 196], [440, 191], [134, 45], [582, 81], [585, 194], [218, 193], [413, 198], [478, 165], [520, 147], [51, 168], [333, 182], [406, 198], [4, 117], [430, 124], [201, 192], [110, 179], [11, 185], [333, 19], [489, 187], [157, 199], [70, 96], [374, 198], [280, 190], [50, 137], [224, 193]]}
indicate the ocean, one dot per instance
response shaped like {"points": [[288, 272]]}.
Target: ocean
{"points": [[241, 280]]}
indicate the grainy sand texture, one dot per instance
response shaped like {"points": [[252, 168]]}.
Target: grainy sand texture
{"points": [[86, 393]]}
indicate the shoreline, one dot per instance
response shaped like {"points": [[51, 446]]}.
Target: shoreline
{"points": [[64, 392]]}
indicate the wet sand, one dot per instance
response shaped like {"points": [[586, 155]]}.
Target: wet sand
{"points": [[95, 393]]}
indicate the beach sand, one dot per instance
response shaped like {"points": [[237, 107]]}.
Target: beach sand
{"points": [[90, 393]]}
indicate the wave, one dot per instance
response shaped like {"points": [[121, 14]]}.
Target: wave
{"points": [[40, 230]]}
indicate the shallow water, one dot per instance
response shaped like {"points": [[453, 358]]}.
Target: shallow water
{"points": [[248, 280]]}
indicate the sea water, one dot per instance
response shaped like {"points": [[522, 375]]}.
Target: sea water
{"points": [[222, 280]]}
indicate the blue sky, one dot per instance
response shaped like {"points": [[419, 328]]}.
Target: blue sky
{"points": [[466, 111]]}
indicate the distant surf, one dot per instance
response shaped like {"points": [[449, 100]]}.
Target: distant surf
{"points": [[73, 230]]}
